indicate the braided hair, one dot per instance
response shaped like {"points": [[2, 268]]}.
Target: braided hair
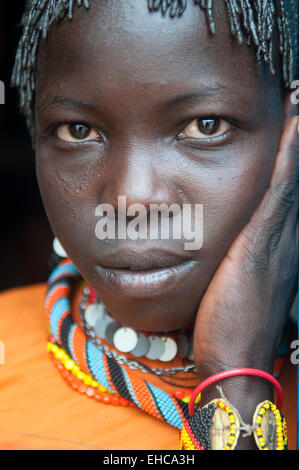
{"points": [[256, 23]]}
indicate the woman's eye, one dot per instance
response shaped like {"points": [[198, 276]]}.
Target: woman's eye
{"points": [[205, 128], [76, 132]]}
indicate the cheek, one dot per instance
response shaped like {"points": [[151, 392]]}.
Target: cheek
{"points": [[231, 193], [70, 192]]}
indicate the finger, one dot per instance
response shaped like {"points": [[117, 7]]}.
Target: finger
{"points": [[274, 220], [286, 171], [282, 192]]}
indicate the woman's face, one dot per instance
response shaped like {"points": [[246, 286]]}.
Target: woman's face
{"points": [[159, 111]]}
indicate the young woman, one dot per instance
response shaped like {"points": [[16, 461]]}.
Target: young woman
{"points": [[163, 102]]}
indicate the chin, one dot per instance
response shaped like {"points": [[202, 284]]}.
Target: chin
{"points": [[163, 313]]}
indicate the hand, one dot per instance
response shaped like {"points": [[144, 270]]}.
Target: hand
{"points": [[241, 316]]}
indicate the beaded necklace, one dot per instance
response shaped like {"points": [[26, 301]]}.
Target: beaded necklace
{"points": [[90, 370]]}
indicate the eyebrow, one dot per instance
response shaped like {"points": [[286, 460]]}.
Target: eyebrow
{"points": [[68, 102], [196, 95]]}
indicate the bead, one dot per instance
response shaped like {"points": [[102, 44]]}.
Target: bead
{"points": [[69, 364], [75, 369], [87, 380], [55, 348], [98, 397], [82, 389], [80, 375], [90, 392], [114, 401], [124, 402], [59, 355], [197, 399]]}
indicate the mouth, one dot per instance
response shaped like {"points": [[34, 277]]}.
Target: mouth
{"points": [[145, 274]]}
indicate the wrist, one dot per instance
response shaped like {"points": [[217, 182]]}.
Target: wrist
{"points": [[244, 389], [244, 393], [211, 365]]}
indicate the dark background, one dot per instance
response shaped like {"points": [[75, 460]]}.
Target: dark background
{"points": [[25, 237]]}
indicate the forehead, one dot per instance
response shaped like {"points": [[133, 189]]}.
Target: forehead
{"points": [[119, 46]]}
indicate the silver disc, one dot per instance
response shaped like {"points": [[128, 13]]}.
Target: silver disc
{"points": [[58, 248], [156, 348], [170, 350], [93, 313], [125, 339], [101, 325], [142, 346], [110, 330], [190, 354]]}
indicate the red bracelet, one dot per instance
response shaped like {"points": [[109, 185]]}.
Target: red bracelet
{"points": [[231, 373]]}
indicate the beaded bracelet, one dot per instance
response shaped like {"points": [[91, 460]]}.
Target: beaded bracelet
{"points": [[217, 426], [267, 414]]}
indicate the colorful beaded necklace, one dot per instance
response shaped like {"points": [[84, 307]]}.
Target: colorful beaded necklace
{"points": [[92, 372]]}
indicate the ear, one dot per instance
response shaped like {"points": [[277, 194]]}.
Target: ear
{"points": [[290, 107]]}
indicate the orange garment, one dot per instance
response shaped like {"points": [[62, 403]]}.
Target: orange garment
{"points": [[39, 411]]}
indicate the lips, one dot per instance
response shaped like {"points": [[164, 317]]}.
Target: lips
{"points": [[142, 260], [141, 274]]}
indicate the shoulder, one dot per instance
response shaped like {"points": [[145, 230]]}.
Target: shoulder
{"points": [[19, 293], [21, 303], [22, 323]]}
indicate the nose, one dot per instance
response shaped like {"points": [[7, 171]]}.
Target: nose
{"points": [[137, 175]]}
